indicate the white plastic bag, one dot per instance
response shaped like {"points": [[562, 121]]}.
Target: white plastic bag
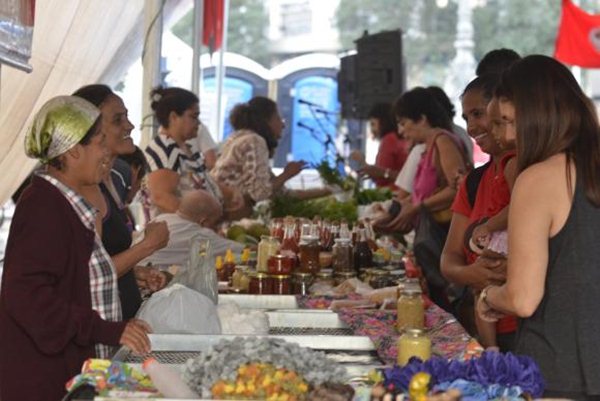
{"points": [[200, 273], [241, 322], [180, 310]]}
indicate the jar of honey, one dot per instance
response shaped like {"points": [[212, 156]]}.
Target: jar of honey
{"points": [[411, 310], [281, 284], [260, 284], [413, 342], [301, 282]]}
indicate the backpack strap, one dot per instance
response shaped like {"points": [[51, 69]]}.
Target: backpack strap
{"points": [[473, 180]]}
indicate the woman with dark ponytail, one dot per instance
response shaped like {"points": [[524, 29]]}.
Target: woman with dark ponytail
{"points": [[244, 159], [175, 166]]}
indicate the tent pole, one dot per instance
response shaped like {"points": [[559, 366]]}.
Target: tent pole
{"points": [[197, 45], [151, 55], [221, 71]]}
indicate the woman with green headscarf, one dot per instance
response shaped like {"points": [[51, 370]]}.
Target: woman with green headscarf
{"points": [[59, 303]]}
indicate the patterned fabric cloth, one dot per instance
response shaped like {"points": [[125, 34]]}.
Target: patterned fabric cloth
{"points": [[164, 153], [448, 338], [244, 164], [103, 276]]}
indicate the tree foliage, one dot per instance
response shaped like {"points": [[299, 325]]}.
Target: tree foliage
{"points": [[248, 21]]}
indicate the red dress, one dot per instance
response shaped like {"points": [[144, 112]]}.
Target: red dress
{"points": [[391, 155]]}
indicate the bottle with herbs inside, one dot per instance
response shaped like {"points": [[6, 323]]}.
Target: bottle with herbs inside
{"points": [[343, 256], [363, 257]]}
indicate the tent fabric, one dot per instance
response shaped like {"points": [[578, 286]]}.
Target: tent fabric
{"points": [[75, 42]]}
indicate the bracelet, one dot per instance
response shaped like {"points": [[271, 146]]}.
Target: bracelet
{"points": [[484, 295]]}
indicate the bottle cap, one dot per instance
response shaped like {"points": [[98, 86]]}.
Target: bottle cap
{"points": [[147, 362]]}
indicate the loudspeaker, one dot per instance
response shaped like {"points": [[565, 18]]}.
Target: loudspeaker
{"points": [[380, 75], [346, 78]]}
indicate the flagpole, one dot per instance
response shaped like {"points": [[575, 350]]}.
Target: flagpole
{"points": [[221, 72], [576, 70], [197, 45]]}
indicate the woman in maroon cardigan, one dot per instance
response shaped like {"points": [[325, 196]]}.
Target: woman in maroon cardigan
{"points": [[58, 302]]}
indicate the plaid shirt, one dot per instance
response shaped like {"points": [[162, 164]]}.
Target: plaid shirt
{"points": [[103, 276]]}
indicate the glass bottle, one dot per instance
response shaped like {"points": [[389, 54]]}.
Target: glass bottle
{"points": [[289, 245], [414, 342], [219, 267], [309, 254], [301, 283], [228, 266], [370, 234], [343, 258], [344, 230], [411, 310], [267, 246], [363, 257]]}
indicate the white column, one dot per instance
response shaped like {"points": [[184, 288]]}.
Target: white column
{"points": [[197, 45], [221, 72], [153, 26]]}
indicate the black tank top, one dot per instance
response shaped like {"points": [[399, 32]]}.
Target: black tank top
{"points": [[116, 237], [563, 335]]}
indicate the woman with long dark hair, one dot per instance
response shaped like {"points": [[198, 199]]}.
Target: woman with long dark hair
{"points": [[244, 159], [554, 258]]}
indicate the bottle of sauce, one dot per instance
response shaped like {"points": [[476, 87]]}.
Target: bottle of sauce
{"points": [[309, 254], [229, 265], [219, 267], [363, 257]]}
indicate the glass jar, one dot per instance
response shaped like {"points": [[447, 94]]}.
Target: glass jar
{"points": [[236, 278], [301, 283], [280, 264], [411, 310], [267, 246], [379, 279], [342, 256], [325, 277], [309, 254], [340, 277], [260, 284], [413, 342], [281, 284]]}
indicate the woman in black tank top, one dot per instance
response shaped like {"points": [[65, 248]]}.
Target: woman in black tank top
{"points": [[554, 257]]}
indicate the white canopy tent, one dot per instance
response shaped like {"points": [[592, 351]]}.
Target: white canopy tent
{"points": [[75, 42]]}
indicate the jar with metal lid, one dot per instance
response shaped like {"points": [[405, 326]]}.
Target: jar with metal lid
{"points": [[379, 279], [342, 255], [411, 310], [280, 264], [413, 342], [260, 284], [340, 277], [309, 254], [267, 246], [325, 276], [301, 283], [281, 284]]}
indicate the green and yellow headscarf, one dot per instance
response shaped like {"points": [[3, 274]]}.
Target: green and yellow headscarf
{"points": [[61, 123]]}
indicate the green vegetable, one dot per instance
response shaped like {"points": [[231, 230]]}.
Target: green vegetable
{"points": [[332, 176], [368, 196], [328, 208]]}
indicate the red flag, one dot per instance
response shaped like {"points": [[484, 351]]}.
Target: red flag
{"points": [[212, 35], [578, 40]]}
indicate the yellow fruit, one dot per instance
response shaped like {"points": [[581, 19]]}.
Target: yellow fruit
{"points": [[235, 231]]}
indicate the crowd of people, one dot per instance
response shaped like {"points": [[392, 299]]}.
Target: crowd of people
{"points": [[508, 247]]}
